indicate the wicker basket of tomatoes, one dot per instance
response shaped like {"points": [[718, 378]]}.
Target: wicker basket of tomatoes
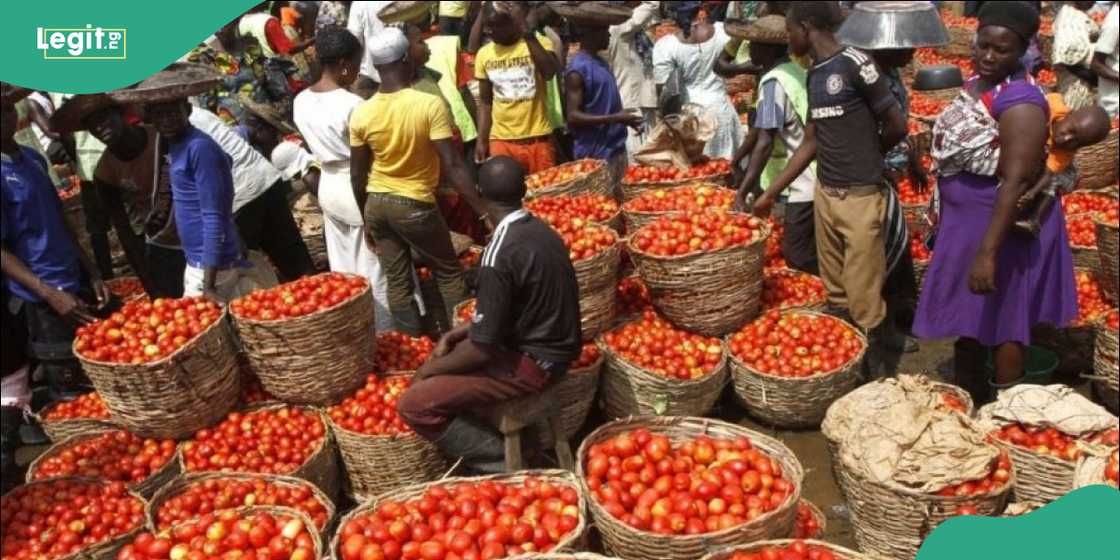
{"points": [[168, 388], [787, 549], [116, 456], [1097, 164], [580, 209], [1074, 344], [811, 522], [785, 289], [653, 526], [260, 531], [563, 556], [379, 451], [1098, 466], [595, 255], [309, 341], [652, 204], [925, 107], [553, 497], [1083, 240], [85, 414], [189, 496], [1108, 249], [572, 178], [31, 527], [704, 270], [653, 368], [575, 392], [640, 178], [276, 439], [788, 367], [1106, 360], [128, 288]]}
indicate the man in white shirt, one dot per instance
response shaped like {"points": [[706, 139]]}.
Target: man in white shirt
{"points": [[365, 24], [629, 55], [1106, 62]]}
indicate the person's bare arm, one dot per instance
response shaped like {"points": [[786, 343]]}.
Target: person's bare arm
{"points": [[543, 59], [726, 67], [67, 305], [573, 91], [800, 160], [1101, 68], [361, 160], [118, 216], [485, 114], [465, 357], [1022, 132], [451, 162], [474, 39], [760, 156], [893, 128]]}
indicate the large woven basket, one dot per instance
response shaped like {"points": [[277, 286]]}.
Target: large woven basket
{"points": [[1038, 477], [629, 390], [145, 488], [626, 542], [1097, 164], [320, 468], [946, 95], [597, 278], [597, 180], [635, 219], [571, 542], [58, 430], [818, 515], [575, 394], [183, 482], [277, 511], [1083, 256], [175, 396], [1090, 471], [794, 402], [816, 305], [315, 359], [960, 41], [840, 552], [712, 293], [563, 556], [631, 191], [1106, 366], [1108, 267], [376, 464]]}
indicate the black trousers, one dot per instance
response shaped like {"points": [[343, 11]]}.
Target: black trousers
{"points": [[51, 339], [799, 244], [165, 271], [266, 224]]}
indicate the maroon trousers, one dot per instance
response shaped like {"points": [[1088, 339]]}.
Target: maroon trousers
{"points": [[429, 405]]}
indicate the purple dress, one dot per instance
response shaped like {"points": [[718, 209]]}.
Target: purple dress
{"points": [[1034, 277]]}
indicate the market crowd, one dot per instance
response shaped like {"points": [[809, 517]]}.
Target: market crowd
{"points": [[414, 133]]}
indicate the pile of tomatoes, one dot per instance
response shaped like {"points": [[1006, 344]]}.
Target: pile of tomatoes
{"points": [[1113, 320], [909, 194], [297, 298], [914, 126], [698, 486], [930, 57], [784, 288], [587, 241], [127, 288], [1051, 441], [1082, 231], [649, 174], [1090, 301], [1105, 208], [229, 534], [252, 392], [268, 441], [468, 259], [693, 198], [807, 526], [483, 520], [1047, 77], [774, 258], [918, 250], [561, 173], [588, 355], [397, 351], [373, 409], [952, 402], [57, 518], [794, 344], [466, 312], [632, 297], [580, 209], [677, 235], [796, 550], [144, 331], [1110, 469], [115, 456], [924, 106], [654, 345], [218, 494], [88, 406], [997, 477]]}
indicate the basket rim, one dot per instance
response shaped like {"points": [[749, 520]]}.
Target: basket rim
{"points": [[40, 416], [727, 551], [60, 446], [184, 481], [622, 207], [315, 314], [308, 525], [720, 367], [694, 254], [323, 446], [188, 345], [548, 191], [674, 182], [588, 369], [821, 375], [606, 221]]}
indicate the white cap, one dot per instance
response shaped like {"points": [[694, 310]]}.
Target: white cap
{"points": [[388, 46], [291, 159]]}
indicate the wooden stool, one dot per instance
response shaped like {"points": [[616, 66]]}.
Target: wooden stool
{"points": [[514, 415]]}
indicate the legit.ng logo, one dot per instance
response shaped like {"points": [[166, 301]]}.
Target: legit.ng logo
{"points": [[88, 43]]}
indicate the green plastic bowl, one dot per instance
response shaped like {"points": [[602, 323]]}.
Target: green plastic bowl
{"points": [[1039, 364]]}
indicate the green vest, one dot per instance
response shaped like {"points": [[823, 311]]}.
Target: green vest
{"points": [[444, 60], [792, 77]]}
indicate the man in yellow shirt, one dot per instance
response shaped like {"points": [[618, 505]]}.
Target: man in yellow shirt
{"points": [[513, 73], [399, 140]]}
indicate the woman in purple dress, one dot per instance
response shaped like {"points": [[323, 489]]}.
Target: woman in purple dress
{"points": [[987, 284]]}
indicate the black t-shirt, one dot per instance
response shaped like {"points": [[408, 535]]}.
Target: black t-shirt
{"points": [[847, 93], [528, 298]]}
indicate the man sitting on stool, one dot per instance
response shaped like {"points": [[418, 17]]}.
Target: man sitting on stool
{"points": [[524, 332]]}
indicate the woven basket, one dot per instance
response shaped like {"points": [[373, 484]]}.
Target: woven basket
{"points": [[920, 269], [575, 394], [111, 283], [183, 482], [277, 511], [1090, 471], [555, 476], [1083, 256], [712, 293], [635, 220], [145, 488], [627, 542], [946, 95], [794, 402], [892, 521], [597, 278], [1038, 478], [563, 556], [1106, 366], [315, 359], [631, 191], [1097, 164], [1073, 345], [58, 430], [818, 305], [376, 464], [597, 181], [175, 396], [629, 390], [320, 468], [840, 552], [818, 515], [1108, 267]]}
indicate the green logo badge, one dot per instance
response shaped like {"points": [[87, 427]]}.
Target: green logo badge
{"points": [[89, 43]]}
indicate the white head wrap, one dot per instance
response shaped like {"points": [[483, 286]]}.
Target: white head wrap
{"points": [[388, 46]]}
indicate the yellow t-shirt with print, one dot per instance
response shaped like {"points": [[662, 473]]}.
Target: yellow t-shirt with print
{"points": [[399, 128], [520, 109]]}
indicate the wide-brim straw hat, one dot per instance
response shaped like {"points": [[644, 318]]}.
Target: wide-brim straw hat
{"points": [[179, 80], [69, 116], [267, 113], [768, 30]]}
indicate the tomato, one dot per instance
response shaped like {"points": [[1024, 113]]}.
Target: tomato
{"points": [[1091, 304], [561, 173], [268, 441], [700, 232], [587, 240], [795, 344], [145, 331], [87, 406], [998, 476], [297, 298], [651, 343], [116, 456], [632, 297], [59, 517], [468, 259], [636, 174], [252, 392], [230, 534], [578, 210], [397, 351], [926, 106], [796, 550], [807, 525], [784, 288], [217, 494], [691, 198]]}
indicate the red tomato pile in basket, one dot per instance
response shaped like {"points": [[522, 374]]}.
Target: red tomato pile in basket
{"points": [[560, 174], [692, 198], [484, 520], [783, 287], [677, 235], [126, 288], [918, 250], [651, 343], [796, 550], [1050, 441], [700, 486], [146, 331], [218, 494], [299, 297], [588, 355], [373, 409], [88, 406], [997, 477], [1113, 320], [467, 310], [229, 534], [926, 106], [632, 297], [269, 441], [1101, 206], [807, 526], [649, 174], [774, 258], [909, 194], [586, 241], [397, 351], [580, 209], [796, 344], [116, 456], [1090, 302], [1082, 231]]}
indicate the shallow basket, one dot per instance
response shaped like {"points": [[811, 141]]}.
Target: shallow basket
{"points": [[314, 359], [631, 191], [1038, 478], [376, 464], [1097, 164], [794, 402], [175, 396], [712, 293], [554, 476], [629, 390], [145, 488], [58, 430], [840, 552], [627, 542], [597, 180], [597, 278], [1108, 265]]}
